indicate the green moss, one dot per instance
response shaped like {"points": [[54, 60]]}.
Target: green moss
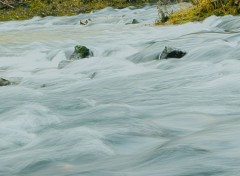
{"points": [[82, 51], [59, 8], [202, 10]]}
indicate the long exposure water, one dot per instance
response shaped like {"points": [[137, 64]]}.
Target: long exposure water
{"points": [[121, 112]]}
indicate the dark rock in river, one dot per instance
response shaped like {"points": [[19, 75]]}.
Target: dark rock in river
{"points": [[93, 75], [134, 21], [153, 52], [170, 52], [4, 82], [81, 52]]}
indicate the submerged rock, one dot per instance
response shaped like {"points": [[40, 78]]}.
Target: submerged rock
{"points": [[170, 52], [93, 75], [134, 21], [81, 52], [4, 82]]}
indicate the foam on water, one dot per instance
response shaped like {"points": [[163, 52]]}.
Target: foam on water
{"points": [[121, 112]]}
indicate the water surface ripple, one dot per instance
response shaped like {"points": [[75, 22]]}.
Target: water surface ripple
{"points": [[136, 116]]}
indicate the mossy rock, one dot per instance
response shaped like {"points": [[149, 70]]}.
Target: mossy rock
{"points": [[81, 52]]}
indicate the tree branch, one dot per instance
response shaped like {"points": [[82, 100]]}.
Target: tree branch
{"points": [[5, 3]]}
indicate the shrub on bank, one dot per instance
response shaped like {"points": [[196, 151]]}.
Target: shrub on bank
{"points": [[202, 9]]}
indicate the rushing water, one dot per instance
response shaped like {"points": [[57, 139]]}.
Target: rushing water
{"points": [[121, 112]]}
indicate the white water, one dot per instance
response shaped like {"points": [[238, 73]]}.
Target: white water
{"points": [[137, 116]]}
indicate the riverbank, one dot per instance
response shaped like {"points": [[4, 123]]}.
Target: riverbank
{"points": [[203, 9], [21, 10]]}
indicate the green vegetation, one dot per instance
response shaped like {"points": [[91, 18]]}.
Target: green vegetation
{"points": [[25, 9], [203, 9]]}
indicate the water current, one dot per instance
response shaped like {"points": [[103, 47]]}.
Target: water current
{"points": [[121, 112]]}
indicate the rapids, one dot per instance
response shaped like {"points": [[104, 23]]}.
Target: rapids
{"points": [[121, 112]]}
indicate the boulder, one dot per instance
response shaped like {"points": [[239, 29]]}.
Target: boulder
{"points": [[170, 52], [85, 21], [153, 52], [81, 52], [4, 82]]}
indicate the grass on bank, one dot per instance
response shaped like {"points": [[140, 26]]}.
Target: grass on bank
{"points": [[26, 9], [202, 9]]}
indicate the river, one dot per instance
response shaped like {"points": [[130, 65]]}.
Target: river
{"points": [[120, 112]]}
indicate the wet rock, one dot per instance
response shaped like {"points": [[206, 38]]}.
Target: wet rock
{"points": [[134, 21], [43, 85], [170, 52], [85, 21], [152, 52], [81, 52], [4, 82]]}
